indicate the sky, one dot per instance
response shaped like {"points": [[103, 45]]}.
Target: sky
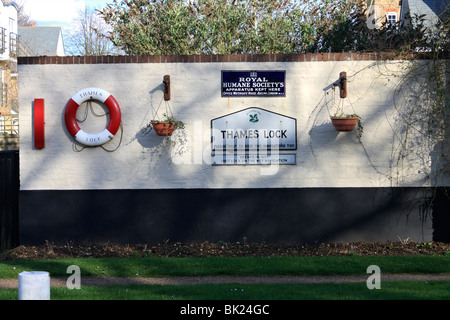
{"points": [[58, 12]]}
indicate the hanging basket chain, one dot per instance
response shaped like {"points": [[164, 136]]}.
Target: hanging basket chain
{"points": [[86, 112], [85, 116]]}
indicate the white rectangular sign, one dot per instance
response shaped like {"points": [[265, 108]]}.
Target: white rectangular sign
{"points": [[253, 159], [254, 129]]}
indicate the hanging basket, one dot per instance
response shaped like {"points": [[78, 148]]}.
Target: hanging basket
{"points": [[163, 128], [344, 124]]}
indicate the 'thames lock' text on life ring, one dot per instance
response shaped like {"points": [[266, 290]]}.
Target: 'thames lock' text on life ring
{"points": [[89, 139]]}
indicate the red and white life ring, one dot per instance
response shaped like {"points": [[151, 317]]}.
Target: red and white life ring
{"points": [[111, 129]]}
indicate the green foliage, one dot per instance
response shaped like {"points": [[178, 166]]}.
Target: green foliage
{"points": [[203, 26], [178, 124], [144, 27], [239, 26]]}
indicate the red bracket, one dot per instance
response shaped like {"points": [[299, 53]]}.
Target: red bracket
{"points": [[343, 78], [39, 133], [166, 82]]}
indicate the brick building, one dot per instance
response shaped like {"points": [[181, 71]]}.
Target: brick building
{"points": [[381, 12]]}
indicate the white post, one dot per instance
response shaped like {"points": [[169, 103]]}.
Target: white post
{"points": [[34, 285]]}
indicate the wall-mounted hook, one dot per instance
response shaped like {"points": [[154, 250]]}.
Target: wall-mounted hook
{"points": [[166, 82], [343, 84]]}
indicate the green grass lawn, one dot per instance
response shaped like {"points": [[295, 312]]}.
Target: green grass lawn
{"points": [[159, 267], [151, 266], [395, 290]]}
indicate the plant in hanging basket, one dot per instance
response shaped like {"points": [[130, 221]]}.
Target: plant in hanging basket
{"points": [[163, 129], [347, 122], [167, 126]]}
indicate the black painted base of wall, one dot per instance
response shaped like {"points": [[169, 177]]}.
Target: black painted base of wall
{"points": [[441, 214], [190, 215]]}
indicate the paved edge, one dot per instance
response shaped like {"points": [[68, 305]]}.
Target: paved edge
{"points": [[117, 281]]}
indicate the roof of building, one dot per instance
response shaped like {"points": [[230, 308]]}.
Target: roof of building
{"points": [[433, 9], [40, 41]]}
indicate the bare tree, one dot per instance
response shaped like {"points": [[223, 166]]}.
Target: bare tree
{"points": [[23, 18], [87, 36]]}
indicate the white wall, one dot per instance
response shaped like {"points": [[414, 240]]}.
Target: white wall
{"points": [[325, 158]]}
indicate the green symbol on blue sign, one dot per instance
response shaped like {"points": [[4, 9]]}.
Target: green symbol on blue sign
{"points": [[254, 118]]}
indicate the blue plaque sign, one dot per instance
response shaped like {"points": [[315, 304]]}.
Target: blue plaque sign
{"points": [[253, 83]]}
